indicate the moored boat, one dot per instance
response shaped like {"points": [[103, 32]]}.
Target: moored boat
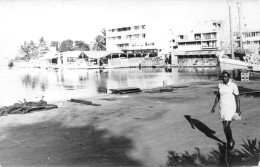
{"points": [[227, 63]]}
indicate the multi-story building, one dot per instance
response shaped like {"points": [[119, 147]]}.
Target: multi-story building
{"points": [[137, 37], [250, 40], [138, 42], [200, 47], [208, 38]]}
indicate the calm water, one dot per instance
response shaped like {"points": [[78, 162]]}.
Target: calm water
{"points": [[31, 84]]}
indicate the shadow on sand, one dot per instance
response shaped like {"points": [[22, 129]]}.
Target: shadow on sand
{"points": [[49, 144], [249, 155], [203, 128]]}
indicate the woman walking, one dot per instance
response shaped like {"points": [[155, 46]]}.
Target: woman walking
{"points": [[228, 96]]}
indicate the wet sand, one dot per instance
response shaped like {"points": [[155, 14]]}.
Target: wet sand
{"points": [[126, 130]]}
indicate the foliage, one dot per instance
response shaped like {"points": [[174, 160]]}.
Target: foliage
{"points": [[185, 159], [42, 46], [28, 50], [248, 156], [251, 149], [32, 50], [99, 43], [81, 46], [103, 31], [25, 49], [66, 45]]}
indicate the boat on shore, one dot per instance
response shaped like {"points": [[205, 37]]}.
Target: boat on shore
{"points": [[232, 63]]}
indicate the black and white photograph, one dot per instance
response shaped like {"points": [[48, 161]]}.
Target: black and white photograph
{"points": [[129, 83]]}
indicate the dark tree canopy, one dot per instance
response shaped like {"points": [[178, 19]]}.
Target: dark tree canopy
{"points": [[81, 46], [66, 45]]}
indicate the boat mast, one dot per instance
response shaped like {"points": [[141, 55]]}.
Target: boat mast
{"points": [[231, 31], [240, 27]]}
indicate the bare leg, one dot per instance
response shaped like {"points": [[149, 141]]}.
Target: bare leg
{"points": [[228, 134]]}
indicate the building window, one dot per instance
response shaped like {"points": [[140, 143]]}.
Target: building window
{"points": [[197, 36], [136, 36], [181, 37]]}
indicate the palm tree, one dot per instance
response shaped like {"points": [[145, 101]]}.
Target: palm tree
{"points": [[43, 45], [99, 43], [103, 31]]}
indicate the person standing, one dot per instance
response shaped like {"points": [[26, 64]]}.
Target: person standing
{"points": [[228, 96]]}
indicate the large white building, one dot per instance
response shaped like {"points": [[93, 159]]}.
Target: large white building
{"points": [[250, 40], [138, 37], [200, 46], [208, 37], [142, 45]]}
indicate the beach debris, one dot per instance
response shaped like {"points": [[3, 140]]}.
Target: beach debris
{"points": [[26, 107], [170, 89], [108, 99], [83, 102], [165, 89], [125, 90]]}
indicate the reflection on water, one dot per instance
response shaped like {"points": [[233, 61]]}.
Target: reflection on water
{"points": [[31, 84]]}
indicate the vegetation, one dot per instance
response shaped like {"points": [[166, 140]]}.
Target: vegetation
{"points": [[43, 45], [81, 46], [248, 156], [66, 45], [29, 50], [100, 41]]}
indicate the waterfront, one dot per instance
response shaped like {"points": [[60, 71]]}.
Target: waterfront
{"points": [[33, 83], [140, 129]]}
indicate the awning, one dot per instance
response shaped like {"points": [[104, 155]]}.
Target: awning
{"points": [[72, 53], [100, 54], [51, 55], [203, 52]]}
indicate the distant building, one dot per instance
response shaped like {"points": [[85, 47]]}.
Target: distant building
{"points": [[140, 41], [207, 38], [250, 40], [138, 37], [200, 46], [55, 44]]}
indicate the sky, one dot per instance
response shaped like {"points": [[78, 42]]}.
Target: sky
{"points": [[58, 20]]}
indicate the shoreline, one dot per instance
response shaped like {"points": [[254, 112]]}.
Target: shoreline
{"points": [[126, 130]]}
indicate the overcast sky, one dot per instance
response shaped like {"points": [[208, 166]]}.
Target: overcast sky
{"points": [[25, 20]]}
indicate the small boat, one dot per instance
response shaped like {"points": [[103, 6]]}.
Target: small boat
{"points": [[231, 64]]}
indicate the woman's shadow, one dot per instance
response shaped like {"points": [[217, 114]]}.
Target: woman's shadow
{"points": [[203, 128]]}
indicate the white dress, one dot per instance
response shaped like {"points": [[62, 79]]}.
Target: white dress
{"points": [[227, 100]]}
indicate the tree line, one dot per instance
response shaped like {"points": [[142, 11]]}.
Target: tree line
{"points": [[31, 49]]}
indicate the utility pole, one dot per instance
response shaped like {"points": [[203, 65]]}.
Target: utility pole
{"points": [[231, 31], [240, 27]]}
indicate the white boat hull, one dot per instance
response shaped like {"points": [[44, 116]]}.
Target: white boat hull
{"points": [[231, 64], [256, 67]]}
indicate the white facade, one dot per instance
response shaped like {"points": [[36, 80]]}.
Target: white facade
{"points": [[138, 37], [251, 39], [208, 37]]}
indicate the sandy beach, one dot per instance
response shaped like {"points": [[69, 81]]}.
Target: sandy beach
{"points": [[126, 130]]}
